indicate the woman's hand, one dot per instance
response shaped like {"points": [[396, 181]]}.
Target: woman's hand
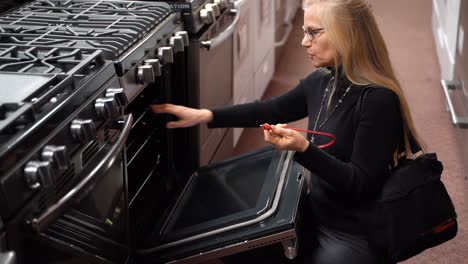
{"points": [[187, 116], [285, 139]]}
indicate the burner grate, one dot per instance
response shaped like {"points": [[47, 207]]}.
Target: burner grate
{"points": [[110, 26], [23, 59]]}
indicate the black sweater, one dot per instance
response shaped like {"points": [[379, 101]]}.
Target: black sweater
{"points": [[347, 175]]}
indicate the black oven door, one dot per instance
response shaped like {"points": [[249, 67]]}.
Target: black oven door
{"points": [[229, 207], [90, 222]]}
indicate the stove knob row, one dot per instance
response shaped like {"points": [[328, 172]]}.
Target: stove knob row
{"points": [[148, 72], [39, 174], [57, 156], [83, 130], [185, 37], [177, 44], [207, 16]]}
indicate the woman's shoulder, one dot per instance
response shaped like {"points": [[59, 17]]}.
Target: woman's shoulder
{"points": [[378, 92], [380, 97]]}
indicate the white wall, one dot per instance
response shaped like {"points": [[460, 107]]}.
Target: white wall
{"points": [[445, 17]]}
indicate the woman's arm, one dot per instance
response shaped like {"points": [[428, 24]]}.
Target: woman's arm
{"points": [[285, 108], [288, 107]]}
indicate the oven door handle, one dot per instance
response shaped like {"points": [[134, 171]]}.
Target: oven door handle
{"points": [[216, 41], [457, 121], [52, 213]]}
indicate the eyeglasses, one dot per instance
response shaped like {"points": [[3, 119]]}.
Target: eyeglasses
{"points": [[312, 33]]}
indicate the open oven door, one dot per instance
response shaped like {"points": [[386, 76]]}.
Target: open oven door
{"points": [[232, 206]]}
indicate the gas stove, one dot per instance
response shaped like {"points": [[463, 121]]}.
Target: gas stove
{"points": [[70, 68], [74, 73]]}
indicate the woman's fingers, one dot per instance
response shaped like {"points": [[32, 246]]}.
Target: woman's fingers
{"points": [[281, 130], [163, 108]]}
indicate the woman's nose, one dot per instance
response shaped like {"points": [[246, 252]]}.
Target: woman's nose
{"points": [[305, 41]]}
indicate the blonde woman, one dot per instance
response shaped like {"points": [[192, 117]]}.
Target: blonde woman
{"points": [[343, 41]]}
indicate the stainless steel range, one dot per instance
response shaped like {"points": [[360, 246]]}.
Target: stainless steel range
{"points": [[88, 174], [69, 71]]}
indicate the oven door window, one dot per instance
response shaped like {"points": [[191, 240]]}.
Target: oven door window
{"points": [[225, 194]]}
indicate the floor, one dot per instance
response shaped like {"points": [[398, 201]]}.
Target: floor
{"points": [[406, 26]]}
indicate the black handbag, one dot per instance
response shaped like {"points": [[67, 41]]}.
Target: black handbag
{"points": [[413, 212]]}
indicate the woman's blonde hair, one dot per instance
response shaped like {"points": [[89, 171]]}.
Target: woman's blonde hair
{"points": [[361, 50]]}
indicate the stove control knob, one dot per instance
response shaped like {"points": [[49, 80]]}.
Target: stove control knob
{"points": [[156, 66], [57, 156], [207, 16], [177, 44], [145, 74], [107, 108], [185, 37], [38, 174], [120, 97], [83, 130], [165, 55], [215, 9], [223, 4]]}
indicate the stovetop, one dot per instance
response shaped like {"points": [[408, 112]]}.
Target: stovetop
{"points": [[110, 26], [50, 48]]}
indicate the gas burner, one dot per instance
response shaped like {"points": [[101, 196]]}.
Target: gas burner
{"points": [[111, 42], [38, 80], [24, 59], [79, 9]]}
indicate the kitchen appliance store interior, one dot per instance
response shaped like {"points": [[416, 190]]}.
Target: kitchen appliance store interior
{"points": [[89, 175]]}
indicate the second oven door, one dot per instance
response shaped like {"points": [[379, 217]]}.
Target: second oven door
{"points": [[229, 207]]}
